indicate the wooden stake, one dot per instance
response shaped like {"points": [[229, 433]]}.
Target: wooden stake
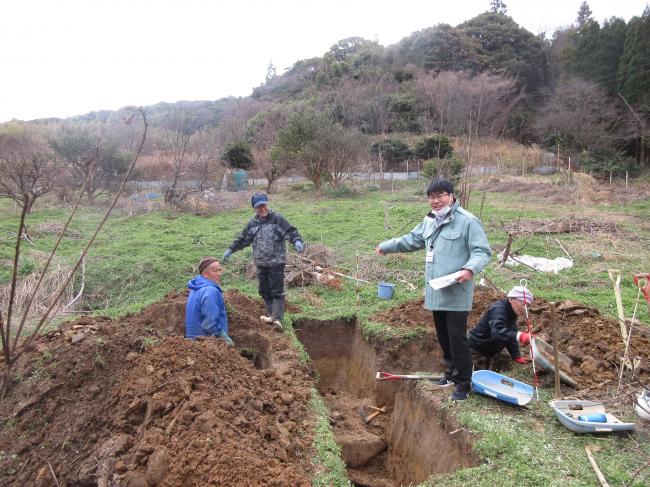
{"points": [[386, 226], [562, 247], [615, 277], [556, 358], [594, 465]]}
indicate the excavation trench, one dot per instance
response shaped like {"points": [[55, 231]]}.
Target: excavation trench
{"points": [[415, 437]]}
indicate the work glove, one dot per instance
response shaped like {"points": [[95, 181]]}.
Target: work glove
{"points": [[300, 247], [226, 255], [226, 338], [523, 337], [522, 360]]}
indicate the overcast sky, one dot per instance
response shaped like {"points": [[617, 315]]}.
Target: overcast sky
{"points": [[68, 57]]}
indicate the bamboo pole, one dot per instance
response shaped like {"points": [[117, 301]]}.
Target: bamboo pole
{"points": [[615, 277], [59, 292], [51, 256], [594, 465]]}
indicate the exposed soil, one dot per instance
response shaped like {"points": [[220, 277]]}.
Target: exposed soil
{"points": [[132, 403], [593, 341], [408, 442], [586, 190]]}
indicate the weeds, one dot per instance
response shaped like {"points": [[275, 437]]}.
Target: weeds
{"points": [[139, 259], [330, 469], [148, 342]]}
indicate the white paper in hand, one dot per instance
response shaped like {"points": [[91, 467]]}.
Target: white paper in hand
{"points": [[444, 281]]}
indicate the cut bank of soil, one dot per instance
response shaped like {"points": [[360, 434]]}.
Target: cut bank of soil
{"points": [[591, 340], [412, 439], [131, 402]]}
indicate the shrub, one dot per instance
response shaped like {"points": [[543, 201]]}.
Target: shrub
{"points": [[603, 162], [340, 192], [392, 151], [450, 168], [435, 145], [238, 155]]}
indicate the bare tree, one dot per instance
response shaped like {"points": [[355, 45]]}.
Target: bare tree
{"points": [[188, 152], [364, 103], [580, 115], [233, 125], [85, 153], [636, 130], [263, 133], [27, 168], [346, 148], [459, 103], [10, 350]]}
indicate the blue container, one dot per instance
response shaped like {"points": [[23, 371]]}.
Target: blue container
{"points": [[385, 290], [593, 418]]}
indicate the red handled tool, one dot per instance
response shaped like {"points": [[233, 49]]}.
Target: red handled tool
{"points": [[387, 376]]}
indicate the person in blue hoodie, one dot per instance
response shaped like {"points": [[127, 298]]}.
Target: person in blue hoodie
{"points": [[205, 313]]}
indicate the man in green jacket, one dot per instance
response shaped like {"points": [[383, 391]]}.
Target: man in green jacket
{"points": [[456, 246]]}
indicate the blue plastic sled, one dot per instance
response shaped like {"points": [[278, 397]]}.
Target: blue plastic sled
{"points": [[501, 387], [572, 413]]}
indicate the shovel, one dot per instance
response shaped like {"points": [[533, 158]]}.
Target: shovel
{"points": [[643, 282], [387, 376]]}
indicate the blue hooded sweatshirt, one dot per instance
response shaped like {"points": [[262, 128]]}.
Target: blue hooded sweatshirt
{"points": [[205, 314]]}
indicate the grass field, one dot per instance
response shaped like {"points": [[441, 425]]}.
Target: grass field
{"points": [[137, 260]]}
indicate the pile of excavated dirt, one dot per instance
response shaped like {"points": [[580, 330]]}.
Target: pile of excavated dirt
{"points": [[591, 340], [133, 403]]}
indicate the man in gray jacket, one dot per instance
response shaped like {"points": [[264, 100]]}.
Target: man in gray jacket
{"points": [[267, 232], [455, 245]]}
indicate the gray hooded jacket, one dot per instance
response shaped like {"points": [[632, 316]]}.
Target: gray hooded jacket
{"points": [[267, 236]]}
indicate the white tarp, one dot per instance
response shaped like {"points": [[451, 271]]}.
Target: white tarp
{"points": [[541, 264]]}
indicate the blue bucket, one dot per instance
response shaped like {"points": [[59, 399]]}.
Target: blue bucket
{"points": [[385, 290]]}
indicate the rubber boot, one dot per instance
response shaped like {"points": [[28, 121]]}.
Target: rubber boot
{"points": [[268, 317], [278, 309], [268, 304]]}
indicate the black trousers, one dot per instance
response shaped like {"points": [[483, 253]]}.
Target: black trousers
{"points": [[271, 281], [451, 327]]}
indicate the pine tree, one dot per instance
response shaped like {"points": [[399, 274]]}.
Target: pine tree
{"points": [[498, 7], [634, 71], [584, 14], [598, 51], [270, 71]]}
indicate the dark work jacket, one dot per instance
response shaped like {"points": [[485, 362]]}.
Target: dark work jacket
{"points": [[496, 330], [267, 235]]}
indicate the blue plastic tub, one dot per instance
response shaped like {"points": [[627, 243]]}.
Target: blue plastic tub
{"points": [[572, 414], [501, 387], [385, 290]]}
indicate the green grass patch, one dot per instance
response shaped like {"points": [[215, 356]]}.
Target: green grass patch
{"points": [[330, 469], [138, 259]]}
